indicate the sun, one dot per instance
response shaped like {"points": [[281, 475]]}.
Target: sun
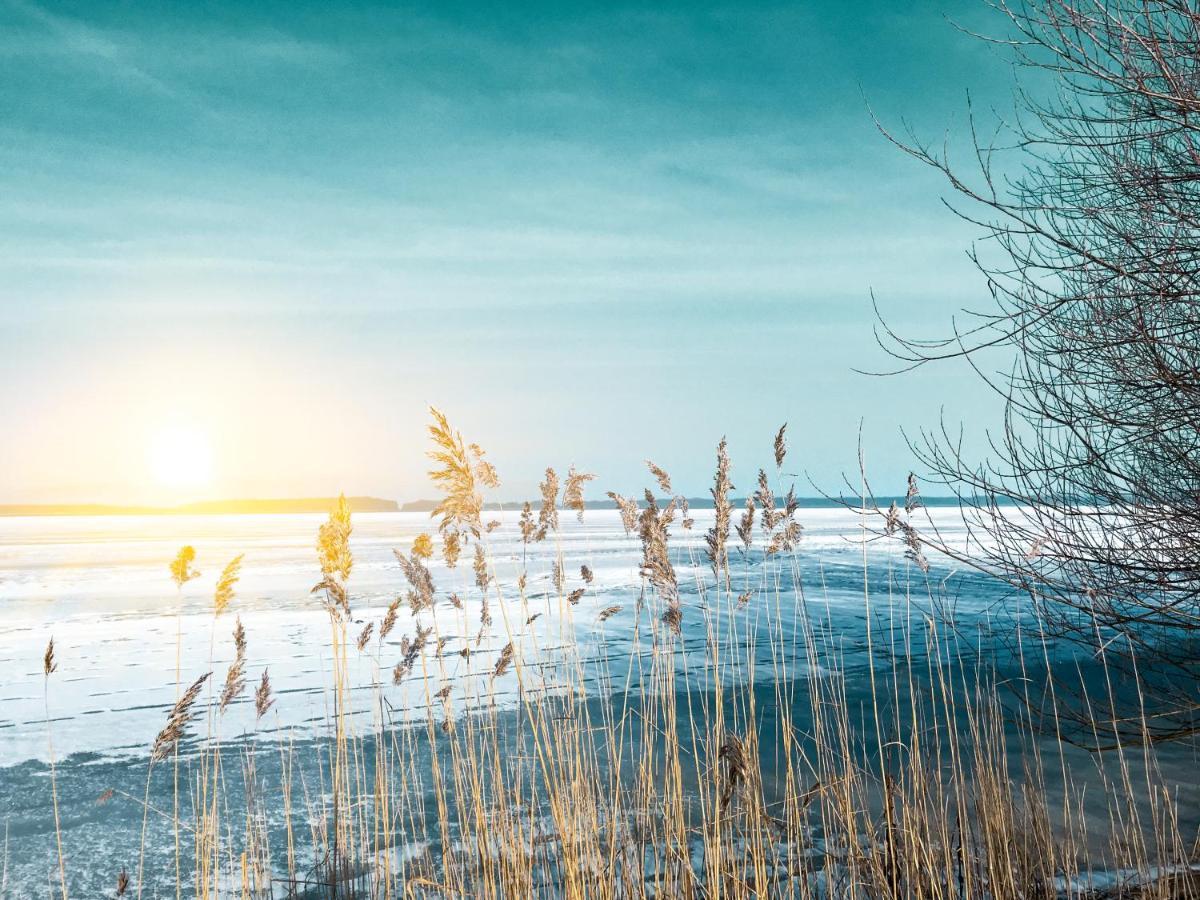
{"points": [[180, 456]]}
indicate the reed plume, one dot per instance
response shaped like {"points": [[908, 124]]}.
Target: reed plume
{"points": [[389, 619], [410, 651], [333, 543], [451, 548], [526, 523], [891, 519], [122, 882], [235, 678], [575, 596], [912, 497], [456, 477], [608, 612], [263, 700], [505, 660], [177, 722], [685, 510], [335, 558], [49, 666], [628, 509], [718, 535], [484, 470], [422, 547], [913, 542], [656, 563], [766, 501], [660, 475], [745, 528], [419, 578], [780, 446], [548, 512], [573, 490], [223, 595], [364, 636], [482, 578], [586, 574], [181, 567]]}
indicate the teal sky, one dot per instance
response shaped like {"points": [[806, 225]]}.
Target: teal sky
{"points": [[591, 233]]}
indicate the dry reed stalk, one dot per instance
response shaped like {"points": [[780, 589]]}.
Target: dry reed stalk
{"points": [[49, 667]]}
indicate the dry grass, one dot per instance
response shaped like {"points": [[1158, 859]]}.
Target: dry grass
{"points": [[706, 780]]}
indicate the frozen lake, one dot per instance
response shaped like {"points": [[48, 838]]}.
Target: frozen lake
{"points": [[125, 639]]}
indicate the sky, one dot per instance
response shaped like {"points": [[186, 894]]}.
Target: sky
{"points": [[262, 238]]}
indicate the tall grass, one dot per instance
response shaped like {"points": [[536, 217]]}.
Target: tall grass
{"points": [[669, 765]]}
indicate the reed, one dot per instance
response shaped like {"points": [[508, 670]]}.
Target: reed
{"points": [[733, 748]]}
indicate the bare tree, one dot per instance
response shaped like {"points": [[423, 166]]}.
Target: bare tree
{"points": [[1089, 202]]}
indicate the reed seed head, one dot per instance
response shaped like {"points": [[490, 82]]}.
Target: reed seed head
{"points": [[235, 678], [49, 663], [573, 491], [177, 721], [223, 595], [660, 475], [263, 700], [181, 567], [422, 547]]}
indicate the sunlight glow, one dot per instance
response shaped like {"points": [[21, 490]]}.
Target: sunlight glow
{"points": [[180, 456]]}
